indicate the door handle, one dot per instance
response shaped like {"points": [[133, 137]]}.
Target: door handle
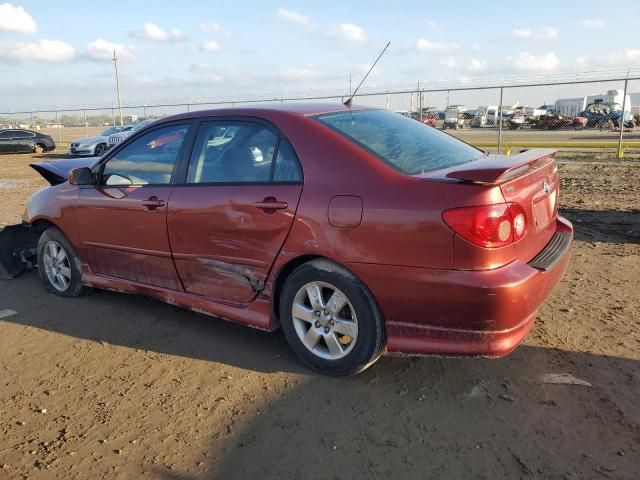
{"points": [[153, 202], [270, 205]]}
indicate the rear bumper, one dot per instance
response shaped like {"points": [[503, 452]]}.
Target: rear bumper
{"points": [[453, 312]]}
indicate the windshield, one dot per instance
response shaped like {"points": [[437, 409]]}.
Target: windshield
{"points": [[110, 131], [401, 142]]}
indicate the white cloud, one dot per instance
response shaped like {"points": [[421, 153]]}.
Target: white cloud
{"points": [[153, 33], [625, 57], [349, 32], [546, 32], [214, 28], [528, 62], [16, 19], [593, 23], [433, 25], [101, 49], [298, 74], [469, 65], [205, 72], [429, 46], [46, 50], [293, 17], [211, 46]]}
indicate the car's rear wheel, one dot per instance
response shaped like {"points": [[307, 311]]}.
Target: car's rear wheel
{"points": [[58, 264], [100, 149], [330, 319]]}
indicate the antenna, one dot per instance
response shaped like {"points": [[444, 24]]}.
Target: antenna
{"points": [[348, 102]]}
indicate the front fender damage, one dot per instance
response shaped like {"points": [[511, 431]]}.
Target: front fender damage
{"points": [[18, 250]]}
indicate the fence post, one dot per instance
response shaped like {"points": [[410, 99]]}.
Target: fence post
{"points": [[624, 104], [31, 125], [420, 101], [58, 127], [500, 121], [86, 125]]}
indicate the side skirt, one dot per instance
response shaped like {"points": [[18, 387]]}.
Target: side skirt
{"points": [[257, 314]]}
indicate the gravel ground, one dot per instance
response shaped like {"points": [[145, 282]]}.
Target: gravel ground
{"points": [[115, 386]]}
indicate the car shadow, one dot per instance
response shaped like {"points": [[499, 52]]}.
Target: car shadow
{"points": [[611, 226], [143, 323], [403, 418], [444, 418]]}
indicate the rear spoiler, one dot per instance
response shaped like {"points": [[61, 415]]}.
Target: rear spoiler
{"points": [[499, 168]]}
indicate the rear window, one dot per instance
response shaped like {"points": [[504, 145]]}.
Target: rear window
{"points": [[405, 144]]}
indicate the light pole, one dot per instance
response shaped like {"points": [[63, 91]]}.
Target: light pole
{"points": [[115, 65]]}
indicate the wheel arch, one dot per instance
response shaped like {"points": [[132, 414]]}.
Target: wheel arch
{"points": [[287, 269]]}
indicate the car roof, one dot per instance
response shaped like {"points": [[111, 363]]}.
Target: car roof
{"points": [[297, 108]]}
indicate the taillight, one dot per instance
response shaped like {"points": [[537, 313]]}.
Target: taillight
{"points": [[489, 226]]}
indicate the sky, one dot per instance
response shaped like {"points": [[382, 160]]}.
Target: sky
{"points": [[59, 54]]}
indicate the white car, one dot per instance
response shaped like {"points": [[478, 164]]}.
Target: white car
{"points": [[118, 137], [95, 146]]}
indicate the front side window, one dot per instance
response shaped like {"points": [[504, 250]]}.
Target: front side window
{"points": [[149, 159], [408, 146], [232, 152]]}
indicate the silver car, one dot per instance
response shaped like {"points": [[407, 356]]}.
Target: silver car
{"points": [[116, 138], [95, 146]]}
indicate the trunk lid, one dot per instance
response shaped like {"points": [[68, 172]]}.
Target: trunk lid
{"points": [[57, 171], [529, 179]]}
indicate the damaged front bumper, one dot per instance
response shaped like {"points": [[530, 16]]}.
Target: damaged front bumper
{"points": [[18, 250]]}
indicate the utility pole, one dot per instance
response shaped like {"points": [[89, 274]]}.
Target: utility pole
{"points": [[115, 65]]}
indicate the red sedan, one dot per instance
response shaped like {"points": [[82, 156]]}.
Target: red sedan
{"points": [[358, 231]]}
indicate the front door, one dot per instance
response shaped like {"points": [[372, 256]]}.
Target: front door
{"points": [[123, 220], [229, 220]]}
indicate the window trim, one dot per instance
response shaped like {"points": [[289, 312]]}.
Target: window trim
{"points": [[181, 180], [98, 169]]}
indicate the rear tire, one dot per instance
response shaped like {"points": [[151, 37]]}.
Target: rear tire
{"points": [[59, 265], [330, 319]]}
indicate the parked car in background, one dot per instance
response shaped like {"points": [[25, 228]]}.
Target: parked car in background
{"points": [[453, 118], [280, 216], [607, 116], [95, 146], [16, 140], [118, 137]]}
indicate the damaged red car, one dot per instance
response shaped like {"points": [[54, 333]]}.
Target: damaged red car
{"points": [[357, 231]]}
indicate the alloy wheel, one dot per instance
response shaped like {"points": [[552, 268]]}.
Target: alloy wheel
{"points": [[324, 320], [57, 266]]}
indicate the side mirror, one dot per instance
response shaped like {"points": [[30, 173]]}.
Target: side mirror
{"points": [[81, 176]]}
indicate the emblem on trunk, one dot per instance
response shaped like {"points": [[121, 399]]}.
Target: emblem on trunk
{"points": [[546, 188]]}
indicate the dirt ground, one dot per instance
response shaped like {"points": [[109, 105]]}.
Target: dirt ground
{"points": [[115, 386]]}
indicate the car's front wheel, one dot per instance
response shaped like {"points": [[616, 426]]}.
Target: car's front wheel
{"points": [[58, 264], [330, 319], [101, 148]]}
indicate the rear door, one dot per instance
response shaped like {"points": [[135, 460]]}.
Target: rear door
{"points": [[230, 218], [123, 220], [23, 141]]}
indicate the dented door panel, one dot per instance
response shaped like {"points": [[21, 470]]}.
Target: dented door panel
{"points": [[224, 238]]}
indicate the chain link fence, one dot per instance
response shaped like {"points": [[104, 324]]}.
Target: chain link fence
{"points": [[583, 115]]}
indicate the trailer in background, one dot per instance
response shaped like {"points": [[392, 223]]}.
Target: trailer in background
{"points": [[570, 107]]}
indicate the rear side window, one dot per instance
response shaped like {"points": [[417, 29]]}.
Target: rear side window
{"points": [[405, 144], [240, 152]]}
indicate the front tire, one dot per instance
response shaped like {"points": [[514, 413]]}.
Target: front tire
{"points": [[330, 319], [58, 265], [38, 148], [101, 148]]}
